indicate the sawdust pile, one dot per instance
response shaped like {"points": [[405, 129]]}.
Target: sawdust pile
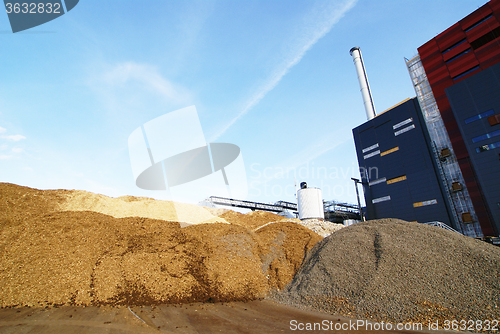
{"points": [[391, 270], [54, 257], [129, 206], [323, 228], [285, 246]]}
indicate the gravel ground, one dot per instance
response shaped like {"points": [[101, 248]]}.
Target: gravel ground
{"points": [[392, 270]]}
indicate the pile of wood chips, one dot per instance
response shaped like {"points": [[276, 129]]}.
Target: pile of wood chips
{"points": [[63, 247]]}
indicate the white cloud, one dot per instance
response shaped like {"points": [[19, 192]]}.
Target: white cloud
{"points": [[6, 157], [2, 130], [17, 150], [316, 25], [14, 137]]}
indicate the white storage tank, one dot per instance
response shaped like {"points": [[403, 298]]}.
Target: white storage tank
{"points": [[310, 203]]}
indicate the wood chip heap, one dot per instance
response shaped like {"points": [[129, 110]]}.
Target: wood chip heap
{"points": [[52, 256]]}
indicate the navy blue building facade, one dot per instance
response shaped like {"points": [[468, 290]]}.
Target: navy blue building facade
{"points": [[475, 103], [399, 175]]}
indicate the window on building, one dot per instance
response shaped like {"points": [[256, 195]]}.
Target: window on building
{"points": [[466, 72], [372, 183], [458, 56], [389, 151], [477, 23], [454, 46], [456, 186], [494, 120], [479, 116], [467, 217], [424, 203], [485, 39], [487, 147], [445, 152], [486, 136], [396, 179]]}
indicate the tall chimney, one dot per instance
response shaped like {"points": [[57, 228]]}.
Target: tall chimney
{"points": [[355, 52]]}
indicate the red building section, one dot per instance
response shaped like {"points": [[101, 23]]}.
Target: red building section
{"points": [[464, 49]]}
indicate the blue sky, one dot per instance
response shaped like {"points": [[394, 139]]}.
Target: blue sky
{"points": [[273, 77]]}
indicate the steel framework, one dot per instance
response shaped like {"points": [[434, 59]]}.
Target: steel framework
{"points": [[449, 170], [334, 210]]}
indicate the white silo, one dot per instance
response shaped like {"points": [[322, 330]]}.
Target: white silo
{"points": [[310, 203]]}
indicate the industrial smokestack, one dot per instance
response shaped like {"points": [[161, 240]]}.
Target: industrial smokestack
{"points": [[355, 52]]}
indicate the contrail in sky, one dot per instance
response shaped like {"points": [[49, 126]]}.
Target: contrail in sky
{"points": [[323, 19]]}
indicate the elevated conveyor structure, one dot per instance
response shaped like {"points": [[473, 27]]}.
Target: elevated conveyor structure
{"points": [[335, 212]]}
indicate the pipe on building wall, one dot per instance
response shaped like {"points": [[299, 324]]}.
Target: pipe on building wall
{"points": [[355, 52]]}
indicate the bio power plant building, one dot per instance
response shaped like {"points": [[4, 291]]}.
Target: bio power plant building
{"points": [[399, 173], [456, 76], [461, 66]]}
